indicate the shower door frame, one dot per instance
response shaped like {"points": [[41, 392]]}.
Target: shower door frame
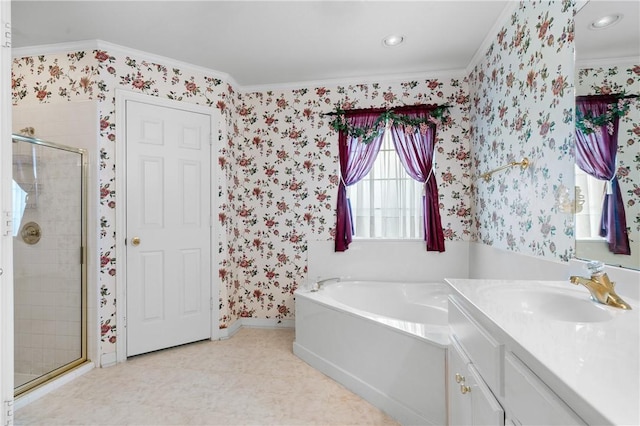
{"points": [[20, 390]]}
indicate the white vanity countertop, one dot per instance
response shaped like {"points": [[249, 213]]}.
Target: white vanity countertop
{"points": [[593, 362]]}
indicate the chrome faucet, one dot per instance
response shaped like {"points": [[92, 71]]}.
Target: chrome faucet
{"points": [[319, 283], [600, 286]]}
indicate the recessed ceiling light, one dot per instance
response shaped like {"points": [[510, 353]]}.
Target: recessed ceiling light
{"points": [[392, 40], [605, 21]]}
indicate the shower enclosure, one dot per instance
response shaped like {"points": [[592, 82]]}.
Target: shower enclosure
{"points": [[49, 230]]}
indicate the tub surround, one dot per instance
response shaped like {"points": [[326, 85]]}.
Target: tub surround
{"points": [[388, 260], [591, 363], [397, 365]]}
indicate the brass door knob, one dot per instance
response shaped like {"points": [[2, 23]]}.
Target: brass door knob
{"points": [[465, 389], [459, 378], [31, 233], [135, 241]]}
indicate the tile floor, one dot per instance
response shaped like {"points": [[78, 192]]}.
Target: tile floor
{"points": [[252, 378]]}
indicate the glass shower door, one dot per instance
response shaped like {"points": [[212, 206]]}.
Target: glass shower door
{"points": [[49, 267]]}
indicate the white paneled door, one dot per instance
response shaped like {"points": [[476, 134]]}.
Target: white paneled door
{"points": [[168, 287]]}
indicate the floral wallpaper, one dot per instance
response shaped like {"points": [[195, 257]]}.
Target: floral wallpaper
{"points": [[603, 80], [94, 75], [522, 106], [278, 159], [286, 178]]}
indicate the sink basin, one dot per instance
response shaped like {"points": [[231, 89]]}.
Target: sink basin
{"points": [[551, 302]]}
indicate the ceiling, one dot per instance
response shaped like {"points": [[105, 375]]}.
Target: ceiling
{"points": [[621, 40], [280, 42], [271, 42]]}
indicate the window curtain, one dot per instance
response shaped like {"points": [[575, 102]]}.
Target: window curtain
{"points": [[596, 156], [387, 203], [356, 159], [415, 147]]}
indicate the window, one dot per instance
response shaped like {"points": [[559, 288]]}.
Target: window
{"points": [[387, 203], [588, 220], [19, 204]]}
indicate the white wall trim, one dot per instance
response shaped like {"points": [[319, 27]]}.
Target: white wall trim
{"points": [[53, 49], [122, 96], [267, 323], [226, 333], [608, 62], [121, 230], [229, 332], [115, 48], [58, 48], [382, 78]]}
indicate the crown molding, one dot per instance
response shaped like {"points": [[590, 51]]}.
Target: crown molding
{"points": [[50, 49], [53, 49], [508, 10], [622, 61], [381, 78]]}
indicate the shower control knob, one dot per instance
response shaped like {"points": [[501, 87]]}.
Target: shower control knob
{"points": [[135, 241]]}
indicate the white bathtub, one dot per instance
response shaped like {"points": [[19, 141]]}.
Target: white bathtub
{"points": [[384, 341]]}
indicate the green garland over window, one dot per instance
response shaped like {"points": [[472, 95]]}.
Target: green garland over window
{"points": [[588, 123], [366, 134]]}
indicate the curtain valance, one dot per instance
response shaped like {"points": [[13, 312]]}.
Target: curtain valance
{"points": [[413, 133], [418, 117], [589, 122]]}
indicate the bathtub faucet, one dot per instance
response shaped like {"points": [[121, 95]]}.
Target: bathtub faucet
{"points": [[319, 283], [600, 286]]}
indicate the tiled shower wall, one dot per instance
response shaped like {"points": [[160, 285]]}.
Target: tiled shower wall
{"points": [[47, 274]]}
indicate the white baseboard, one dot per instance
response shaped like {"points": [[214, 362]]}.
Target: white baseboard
{"points": [[267, 323], [228, 332], [108, 360]]}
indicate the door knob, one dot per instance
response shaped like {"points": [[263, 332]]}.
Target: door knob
{"points": [[135, 241]]}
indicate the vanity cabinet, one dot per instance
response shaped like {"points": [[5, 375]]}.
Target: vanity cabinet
{"points": [[470, 399], [530, 401], [488, 384]]}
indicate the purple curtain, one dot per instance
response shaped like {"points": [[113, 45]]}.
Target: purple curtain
{"points": [[415, 147], [596, 155], [356, 160]]}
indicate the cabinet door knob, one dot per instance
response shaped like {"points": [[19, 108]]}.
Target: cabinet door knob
{"points": [[135, 241], [465, 389], [459, 378]]}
